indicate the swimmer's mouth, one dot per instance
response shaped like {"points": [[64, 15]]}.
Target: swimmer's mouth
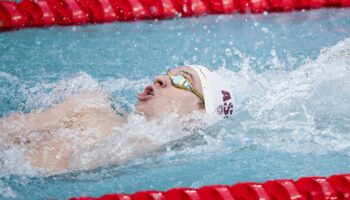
{"points": [[147, 94]]}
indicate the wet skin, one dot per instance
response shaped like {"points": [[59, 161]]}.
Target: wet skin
{"points": [[162, 97]]}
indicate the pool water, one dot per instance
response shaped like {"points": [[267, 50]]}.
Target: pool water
{"points": [[290, 73]]}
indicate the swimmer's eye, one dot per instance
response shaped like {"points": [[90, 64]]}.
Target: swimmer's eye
{"points": [[181, 72], [187, 75]]}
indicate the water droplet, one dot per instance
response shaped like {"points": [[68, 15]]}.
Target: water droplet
{"points": [[38, 43], [273, 53], [264, 29], [228, 52]]}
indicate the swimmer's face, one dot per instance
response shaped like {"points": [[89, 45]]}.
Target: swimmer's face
{"points": [[162, 97]]}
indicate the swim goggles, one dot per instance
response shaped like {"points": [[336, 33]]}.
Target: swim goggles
{"points": [[179, 81]]}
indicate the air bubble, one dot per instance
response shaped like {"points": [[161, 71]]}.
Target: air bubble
{"points": [[228, 52], [264, 29], [38, 43], [273, 53]]}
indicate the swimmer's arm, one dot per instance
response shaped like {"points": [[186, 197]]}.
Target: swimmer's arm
{"points": [[88, 110], [56, 116]]}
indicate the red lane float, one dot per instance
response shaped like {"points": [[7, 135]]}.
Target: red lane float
{"points": [[282, 189], [98, 11], [255, 6], [282, 5], [11, 16], [223, 6], [150, 195], [310, 4], [248, 191], [306, 188], [182, 193], [38, 12], [316, 188], [161, 9], [341, 184], [190, 8], [129, 10], [68, 12], [219, 192]]}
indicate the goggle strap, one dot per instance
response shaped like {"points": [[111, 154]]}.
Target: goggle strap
{"points": [[199, 95]]}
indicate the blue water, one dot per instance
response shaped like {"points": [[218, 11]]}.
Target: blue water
{"points": [[290, 73]]}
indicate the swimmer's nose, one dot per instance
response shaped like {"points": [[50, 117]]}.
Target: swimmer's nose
{"points": [[161, 81]]}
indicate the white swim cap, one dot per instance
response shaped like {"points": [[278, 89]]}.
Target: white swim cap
{"points": [[217, 94]]}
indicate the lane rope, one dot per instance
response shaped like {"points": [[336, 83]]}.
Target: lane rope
{"points": [[316, 188], [39, 13]]}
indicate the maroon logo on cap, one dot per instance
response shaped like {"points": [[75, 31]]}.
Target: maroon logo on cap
{"points": [[225, 95], [227, 108], [220, 109]]}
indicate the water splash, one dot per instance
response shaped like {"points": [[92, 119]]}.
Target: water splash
{"points": [[305, 110]]}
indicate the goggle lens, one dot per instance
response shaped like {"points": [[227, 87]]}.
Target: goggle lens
{"points": [[181, 82]]}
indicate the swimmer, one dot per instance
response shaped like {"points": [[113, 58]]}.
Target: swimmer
{"points": [[182, 91]]}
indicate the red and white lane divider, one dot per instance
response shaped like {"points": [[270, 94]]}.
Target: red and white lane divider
{"points": [[29, 13], [306, 188]]}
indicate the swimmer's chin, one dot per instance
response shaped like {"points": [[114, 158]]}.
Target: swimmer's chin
{"points": [[146, 116], [151, 114], [138, 110], [147, 110]]}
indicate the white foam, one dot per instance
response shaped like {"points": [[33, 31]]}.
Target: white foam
{"points": [[137, 138], [287, 109], [44, 95], [8, 76]]}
